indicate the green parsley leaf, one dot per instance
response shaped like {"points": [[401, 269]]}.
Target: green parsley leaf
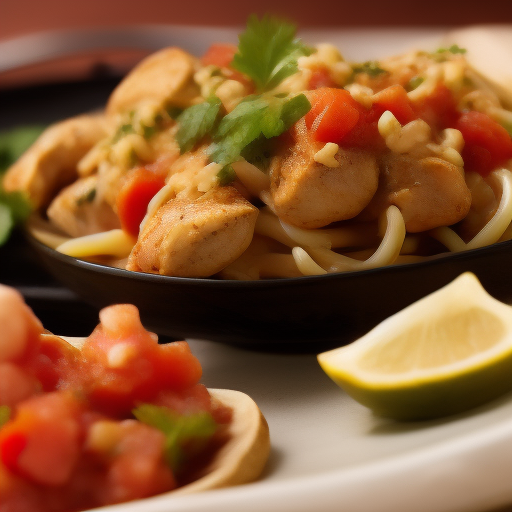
{"points": [[414, 83], [226, 175], [370, 67], [196, 122], [88, 197], [268, 51], [13, 143], [14, 209], [5, 414], [258, 116], [179, 430], [454, 48]]}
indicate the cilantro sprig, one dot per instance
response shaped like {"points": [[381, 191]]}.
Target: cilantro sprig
{"points": [[14, 206], [268, 51], [180, 431], [5, 414], [196, 122], [251, 119], [371, 68]]}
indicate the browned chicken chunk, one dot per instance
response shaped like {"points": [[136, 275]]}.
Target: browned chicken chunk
{"points": [[310, 194], [195, 238], [50, 163], [77, 211], [161, 77], [429, 192]]}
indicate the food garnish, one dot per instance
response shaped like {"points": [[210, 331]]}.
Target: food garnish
{"points": [[268, 51], [14, 206], [447, 353]]}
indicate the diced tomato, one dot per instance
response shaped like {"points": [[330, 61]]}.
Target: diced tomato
{"points": [[176, 367], [395, 100], [487, 145], [42, 441], [53, 362], [132, 201], [127, 365], [438, 109], [365, 133], [219, 54], [17, 384], [320, 77], [333, 114], [138, 468]]}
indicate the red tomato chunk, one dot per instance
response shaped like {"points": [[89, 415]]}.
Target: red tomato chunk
{"points": [[71, 441]]}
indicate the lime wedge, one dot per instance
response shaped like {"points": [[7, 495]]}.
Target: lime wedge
{"points": [[444, 354]]}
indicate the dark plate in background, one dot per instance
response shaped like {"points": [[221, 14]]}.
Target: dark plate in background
{"points": [[300, 314]]}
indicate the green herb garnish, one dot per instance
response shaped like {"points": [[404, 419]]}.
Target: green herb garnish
{"points": [[123, 130], [13, 143], [454, 48], [14, 206], [414, 83], [257, 116], [194, 429], [5, 414], [268, 51], [196, 122], [370, 67], [88, 197], [226, 175]]}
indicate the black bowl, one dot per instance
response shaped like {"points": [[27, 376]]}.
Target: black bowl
{"points": [[300, 314]]}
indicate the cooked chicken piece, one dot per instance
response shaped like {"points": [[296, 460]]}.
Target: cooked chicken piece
{"points": [[195, 238], [485, 199], [429, 192], [50, 163], [310, 194], [78, 212], [162, 78]]}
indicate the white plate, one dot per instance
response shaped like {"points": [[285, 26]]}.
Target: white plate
{"points": [[331, 454]]}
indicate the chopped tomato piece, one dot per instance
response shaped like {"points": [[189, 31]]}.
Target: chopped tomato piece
{"points": [[395, 100], [439, 109], [487, 145], [54, 362], [127, 365], [133, 199], [320, 77], [42, 441], [365, 133], [333, 114], [219, 54]]}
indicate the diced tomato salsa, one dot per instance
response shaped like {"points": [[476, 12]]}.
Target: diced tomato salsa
{"points": [[71, 440], [336, 117]]}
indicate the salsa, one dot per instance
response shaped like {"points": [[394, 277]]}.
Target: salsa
{"points": [[121, 418]]}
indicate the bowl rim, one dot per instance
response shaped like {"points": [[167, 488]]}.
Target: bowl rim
{"points": [[212, 282]]}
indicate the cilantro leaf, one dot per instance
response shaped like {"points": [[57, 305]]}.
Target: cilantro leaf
{"points": [[13, 143], [250, 119], [179, 430], [268, 51], [196, 122], [14, 209], [454, 48], [370, 67], [5, 414]]}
